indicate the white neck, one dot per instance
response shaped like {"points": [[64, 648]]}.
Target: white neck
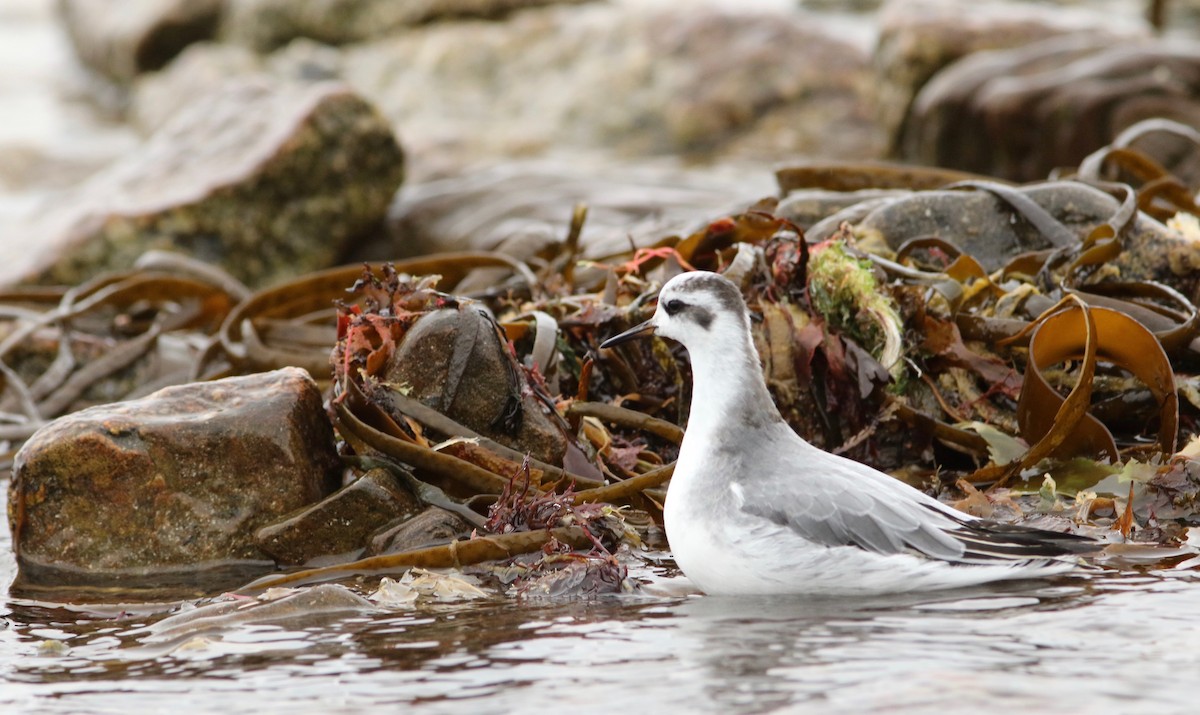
{"points": [[728, 389]]}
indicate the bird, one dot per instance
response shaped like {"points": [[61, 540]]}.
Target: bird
{"points": [[754, 509]]}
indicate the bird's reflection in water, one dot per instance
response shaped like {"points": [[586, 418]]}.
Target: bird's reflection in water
{"points": [[761, 654]]}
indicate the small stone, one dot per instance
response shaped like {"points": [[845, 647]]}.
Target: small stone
{"points": [[338, 526], [429, 528], [457, 362], [177, 481]]}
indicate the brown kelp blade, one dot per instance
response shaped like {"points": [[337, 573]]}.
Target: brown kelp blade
{"points": [[455, 554], [1080, 332]]}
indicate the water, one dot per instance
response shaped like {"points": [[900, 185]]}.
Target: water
{"points": [[1116, 642]]}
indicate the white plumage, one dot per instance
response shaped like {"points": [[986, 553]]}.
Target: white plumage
{"points": [[754, 509]]}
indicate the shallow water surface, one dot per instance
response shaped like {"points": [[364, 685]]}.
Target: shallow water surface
{"points": [[1126, 643]]}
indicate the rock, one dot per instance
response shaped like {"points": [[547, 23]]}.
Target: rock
{"points": [[623, 79], [200, 70], [1021, 113], [269, 181], [267, 24], [205, 68], [600, 79], [990, 230], [154, 489], [919, 37], [429, 528], [338, 526], [456, 361], [123, 41]]}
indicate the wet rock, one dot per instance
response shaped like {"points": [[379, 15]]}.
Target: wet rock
{"points": [[122, 41], [429, 528], [990, 230], [457, 362], [269, 181], [267, 24], [919, 37], [1021, 113], [178, 481], [338, 526]]}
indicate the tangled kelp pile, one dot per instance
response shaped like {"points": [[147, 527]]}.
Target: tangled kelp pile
{"points": [[1005, 379]]}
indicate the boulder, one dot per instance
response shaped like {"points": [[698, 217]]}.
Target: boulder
{"points": [[269, 180], [337, 527], [625, 79], [919, 37], [598, 79], [122, 41], [173, 484], [1019, 114]]}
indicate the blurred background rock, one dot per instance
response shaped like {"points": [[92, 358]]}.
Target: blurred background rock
{"points": [[505, 113]]}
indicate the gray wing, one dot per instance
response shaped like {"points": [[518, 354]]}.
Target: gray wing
{"points": [[831, 509], [837, 502]]}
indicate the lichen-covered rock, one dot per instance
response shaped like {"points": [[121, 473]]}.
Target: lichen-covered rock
{"points": [[919, 37], [268, 180], [267, 24], [177, 482], [121, 40], [1021, 113], [455, 361], [338, 526], [429, 528]]}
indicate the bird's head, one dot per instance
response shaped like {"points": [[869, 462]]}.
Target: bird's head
{"points": [[695, 308]]}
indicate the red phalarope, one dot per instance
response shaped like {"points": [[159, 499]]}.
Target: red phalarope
{"points": [[753, 508]]}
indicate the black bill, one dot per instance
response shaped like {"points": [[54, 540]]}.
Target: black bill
{"points": [[637, 331]]}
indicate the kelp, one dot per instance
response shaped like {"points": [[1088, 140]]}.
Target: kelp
{"points": [[105, 337], [454, 554], [855, 176]]}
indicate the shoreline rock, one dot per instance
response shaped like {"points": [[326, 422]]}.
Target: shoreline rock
{"points": [[268, 181], [171, 485]]}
